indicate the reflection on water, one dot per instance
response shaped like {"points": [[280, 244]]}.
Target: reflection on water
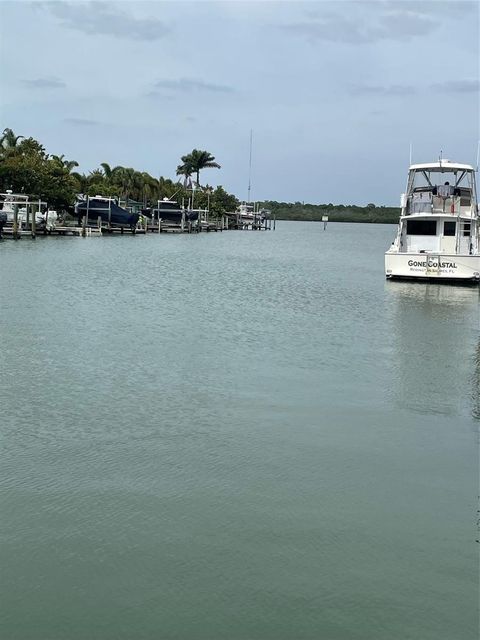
{"points": [[435, 335], [476, 384], [445, 294]]}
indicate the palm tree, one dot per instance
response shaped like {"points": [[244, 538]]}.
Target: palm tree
{"points": [[150, 187], [138, 185], [66, 164], [70, 164], [195, 161], [129, 181], [82, 181], [185, 170], [107, 170], [8, 143], [9, 140], [110, 173], [166, 188], [95, 177]]}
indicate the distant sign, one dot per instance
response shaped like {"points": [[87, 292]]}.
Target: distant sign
{"points": [[324, 218]]}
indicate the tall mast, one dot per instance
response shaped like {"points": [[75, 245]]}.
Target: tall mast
{"points": [[250, 166]]}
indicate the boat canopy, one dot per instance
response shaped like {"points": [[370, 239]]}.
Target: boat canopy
{"points": [[430, 175], [441, 166]]}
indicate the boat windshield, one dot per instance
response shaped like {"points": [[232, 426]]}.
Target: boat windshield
{"points": [[428, 179]]}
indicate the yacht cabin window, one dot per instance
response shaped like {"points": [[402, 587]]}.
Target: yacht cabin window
{"points": [[449, 228], [466, 229], [421, 227]]}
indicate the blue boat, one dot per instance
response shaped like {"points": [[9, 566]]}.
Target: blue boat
{"points": [[108, 210], [171, 211]]}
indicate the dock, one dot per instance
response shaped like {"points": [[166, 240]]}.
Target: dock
{"points": [[226, 222]]}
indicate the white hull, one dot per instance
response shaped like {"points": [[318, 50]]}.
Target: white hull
{"points": [[432, 266]]}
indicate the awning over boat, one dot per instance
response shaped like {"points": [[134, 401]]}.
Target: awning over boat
{"points": [[445, 165]]}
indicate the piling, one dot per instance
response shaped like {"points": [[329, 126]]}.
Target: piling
{"points": [[16, 234], [33, 227], [3, 220]]}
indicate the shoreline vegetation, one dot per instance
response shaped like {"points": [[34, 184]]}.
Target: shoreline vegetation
{"points": [[336, 212], [26, 167]]}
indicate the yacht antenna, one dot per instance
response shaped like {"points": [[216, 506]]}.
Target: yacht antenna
{"points": [[478, 155], [440, 158], [250, 166], [411, 153]]}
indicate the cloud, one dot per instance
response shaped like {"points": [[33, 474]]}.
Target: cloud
{"points": [[81, 122], [103, 18], [398, 90], [45, 83], [404, 25], [457, 86], [188, 85], [383, 90], [365, 23], [454, 8]]}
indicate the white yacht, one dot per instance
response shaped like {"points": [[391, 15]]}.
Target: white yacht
{"points": [[438, 236]]}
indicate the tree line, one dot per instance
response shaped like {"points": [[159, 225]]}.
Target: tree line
{"points": [[26, 167], [335, 212]]}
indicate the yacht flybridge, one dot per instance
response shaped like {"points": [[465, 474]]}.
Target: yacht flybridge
{"points": [[438, 232]]}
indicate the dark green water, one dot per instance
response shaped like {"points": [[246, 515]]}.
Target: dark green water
{"points": [[243, 435]]}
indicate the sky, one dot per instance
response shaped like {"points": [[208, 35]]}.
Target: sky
{"points": [[335, 92]]}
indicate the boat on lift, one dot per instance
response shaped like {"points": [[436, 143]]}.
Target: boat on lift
{"points": [[107, 209], [26, 208], [170, 211], [248, 213], [438, 235]]}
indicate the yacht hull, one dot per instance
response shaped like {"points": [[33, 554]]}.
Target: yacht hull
{"points": [[432, 267]]}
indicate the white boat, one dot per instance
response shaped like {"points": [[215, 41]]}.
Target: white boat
{"points": [[249, 213], [246, 213], [438, 236], [27, 207]]}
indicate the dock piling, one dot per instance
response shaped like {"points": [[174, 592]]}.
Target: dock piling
{"points": [[16, 234], [33, 227]]}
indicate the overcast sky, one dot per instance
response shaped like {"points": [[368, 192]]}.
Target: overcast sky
{"points": [[334, 91]]}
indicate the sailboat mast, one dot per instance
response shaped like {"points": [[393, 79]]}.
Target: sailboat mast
{"points": [[250, 166]]}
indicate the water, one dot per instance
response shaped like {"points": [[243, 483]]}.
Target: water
{"points": [[242, 435]]}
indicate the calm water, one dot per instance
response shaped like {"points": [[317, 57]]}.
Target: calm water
{"points": [[243, 435]]}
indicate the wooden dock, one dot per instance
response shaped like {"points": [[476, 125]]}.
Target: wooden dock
{"points": [[8, 232], [225, 223]]}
